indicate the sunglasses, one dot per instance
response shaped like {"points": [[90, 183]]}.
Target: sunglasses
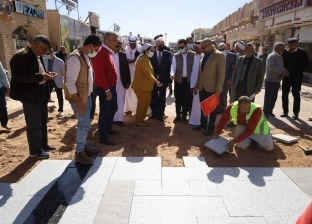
{"points": [[181, 47], [204, 47], [42, 48]]}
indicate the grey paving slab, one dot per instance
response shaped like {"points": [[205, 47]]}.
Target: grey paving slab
{"points": [[105, 162], [194, 161], [302, 177], [205, 207], [261, 173], [203, 188], [216, 174], [17, 208], [176, 187], [6, 188], [232, 220], [41, 178], [162, 209], [174, 173], [148, 187], [116, 204], [81, 210], [137, 168]]}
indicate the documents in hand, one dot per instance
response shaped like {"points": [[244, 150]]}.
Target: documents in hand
{"points": [[218, 145]]}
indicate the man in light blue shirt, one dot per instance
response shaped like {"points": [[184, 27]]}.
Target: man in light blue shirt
{"points": [[4, 90]]}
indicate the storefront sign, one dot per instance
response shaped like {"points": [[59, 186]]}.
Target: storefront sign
{"points": [[28, 10], [70, 3], [281, 8]]}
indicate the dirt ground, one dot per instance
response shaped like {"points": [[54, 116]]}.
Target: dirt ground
{"points": [[167, 140]]}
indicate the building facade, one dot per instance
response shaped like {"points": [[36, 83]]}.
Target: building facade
{"points": [[20, 22], [200, 34]]}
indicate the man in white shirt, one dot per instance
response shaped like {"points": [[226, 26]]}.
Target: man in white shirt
{"points": [[195, 112], [78, 91], [181, 70]]}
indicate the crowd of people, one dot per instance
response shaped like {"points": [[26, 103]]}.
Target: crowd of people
{"points": [[137, 79]]}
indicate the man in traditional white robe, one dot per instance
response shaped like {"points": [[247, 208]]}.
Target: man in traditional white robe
{"points": [[123, 82], [195, 112], [132, 51]]}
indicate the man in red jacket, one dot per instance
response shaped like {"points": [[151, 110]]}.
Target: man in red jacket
{"points": [[105, 80]]}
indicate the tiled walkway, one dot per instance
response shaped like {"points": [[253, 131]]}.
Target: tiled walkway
{"points": [[138, 190]]}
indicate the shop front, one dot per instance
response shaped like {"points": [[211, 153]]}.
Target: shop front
{"points": [[20, 22]]}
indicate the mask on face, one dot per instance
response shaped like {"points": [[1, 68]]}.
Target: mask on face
{"points": [[150, 54], [182, 51], [161, 48], [224, 52], [93, 54], [48, 57], [190, 46]]}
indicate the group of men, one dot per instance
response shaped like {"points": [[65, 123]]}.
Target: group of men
{"points": [[199, 70]]}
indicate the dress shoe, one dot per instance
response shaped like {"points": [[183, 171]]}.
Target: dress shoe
{"points": [[161, 119], [90, 150], [184, 120], [177, 119], [48, 148], [284, 115], [119, 123], [153, 116], [40, 155], [113, 132], [107, 142], [208, 133], [82, 158], [198, 128], [295, 116]]}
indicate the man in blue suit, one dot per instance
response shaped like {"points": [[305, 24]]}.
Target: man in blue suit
{"points": [[229, 69], [161, 62]]}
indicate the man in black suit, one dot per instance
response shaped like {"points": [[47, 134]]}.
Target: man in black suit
{"points": [[161, 62], [230, 59], [62, 54], [123, 81]]}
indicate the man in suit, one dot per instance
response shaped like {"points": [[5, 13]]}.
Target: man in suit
{"points": [[123, 81], [62, 54], [181, 71], [209, 81], [161, 62], [55, 64], [230, 59], [248, 77]]}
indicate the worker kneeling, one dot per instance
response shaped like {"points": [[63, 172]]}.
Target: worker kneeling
{"points": [[251, 124]]}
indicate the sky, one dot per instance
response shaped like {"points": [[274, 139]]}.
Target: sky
{"points": [[148, 18]]}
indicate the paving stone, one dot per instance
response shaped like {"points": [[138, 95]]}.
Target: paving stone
{"points": [[176, 187], [105, 162], [302, 177], [6, 190], [116, 204], [17, 208], [81, 210], [41, 178], [216, 174], [194, 161], [261, 173], [174, 173], [231, 220], [209, 207], [148, 187], [203, 188], [137, 168], [162, 209]]}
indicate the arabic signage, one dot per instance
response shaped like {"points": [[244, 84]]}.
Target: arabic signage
{"points": [[27, 10], [281, 8]]}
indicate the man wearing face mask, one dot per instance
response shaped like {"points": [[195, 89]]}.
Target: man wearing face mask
{"points": [[105, 80], [181, 71], [78, 87], [55, 64], [161, 62], [190, 43], [230, 59], [209, 81], [123, 82]]}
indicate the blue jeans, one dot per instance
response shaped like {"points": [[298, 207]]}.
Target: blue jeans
{"points": [[3, 108], [84, 125], [270, 96], [108, 109]]}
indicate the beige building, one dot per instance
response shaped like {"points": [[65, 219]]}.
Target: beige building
{"points": [[20, 22], [200, 34]]}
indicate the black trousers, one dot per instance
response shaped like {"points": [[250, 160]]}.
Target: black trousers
{"points": [[158, 102], [212, 117], [295, 85], [184, 98], [36, 117], [270, 96], [59, 94], [3, 107]]}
